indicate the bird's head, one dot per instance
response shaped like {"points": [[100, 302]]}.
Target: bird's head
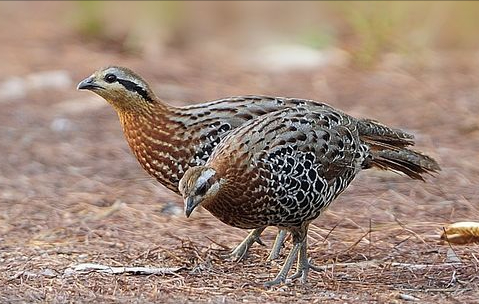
{"points": [[121, 87], [197, 185]]}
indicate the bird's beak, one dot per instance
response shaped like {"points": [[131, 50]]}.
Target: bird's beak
{"points": [[88, 84], [190, 205]]}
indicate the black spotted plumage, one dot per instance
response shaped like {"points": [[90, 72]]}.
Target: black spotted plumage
{"points": [[295, 163], [211, 137]]}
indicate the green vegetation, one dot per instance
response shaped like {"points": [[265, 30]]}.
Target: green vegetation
{"points": [[407, 27], [365, 29]]}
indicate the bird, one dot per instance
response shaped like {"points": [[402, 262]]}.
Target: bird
{"points": [[286, 167], [167, 140]]}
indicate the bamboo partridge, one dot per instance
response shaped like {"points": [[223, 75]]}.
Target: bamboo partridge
{"points": [[285, 168]]}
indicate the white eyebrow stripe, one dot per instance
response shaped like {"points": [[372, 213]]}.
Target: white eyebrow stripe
{"points": [[204, 177]]}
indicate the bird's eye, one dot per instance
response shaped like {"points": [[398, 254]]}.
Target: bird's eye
{"points": [[110, 78]]}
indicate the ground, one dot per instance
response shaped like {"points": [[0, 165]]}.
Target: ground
{"points": [[71, 192]]}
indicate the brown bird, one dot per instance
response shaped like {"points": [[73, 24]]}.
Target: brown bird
{"points": [[285, 168], [168, 140]]}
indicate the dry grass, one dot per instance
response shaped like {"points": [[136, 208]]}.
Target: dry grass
{"points": [[74, 194], [78, 196]]}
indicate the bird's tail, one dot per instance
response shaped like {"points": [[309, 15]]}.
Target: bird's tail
{"points": [[371, 130], [389, 152], [407, 161]]}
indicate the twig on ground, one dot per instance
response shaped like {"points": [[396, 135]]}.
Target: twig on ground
{"points": [[403, 226], [218, 243], [376, 263], [89, 267], [357, 242], [407, 297]]}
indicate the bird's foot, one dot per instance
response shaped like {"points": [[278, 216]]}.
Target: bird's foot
{"points": [[303, 271], [276, 281], [281, 277], [242, 249]]}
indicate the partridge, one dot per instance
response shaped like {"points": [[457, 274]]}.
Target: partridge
{"points": [[285, 168], [167, 140]]}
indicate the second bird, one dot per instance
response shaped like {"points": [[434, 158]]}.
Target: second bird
{"points": [[284, 169]]}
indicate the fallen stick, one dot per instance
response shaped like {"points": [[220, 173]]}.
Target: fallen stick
{"points": [[90, 267], [377, 264]]}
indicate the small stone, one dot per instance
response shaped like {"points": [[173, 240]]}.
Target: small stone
{"points": [[451, 257], [68, 272], [83, 256], [13, 88], [61, 125], [48, 273]]}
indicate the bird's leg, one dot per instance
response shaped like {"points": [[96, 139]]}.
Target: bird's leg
{"points": [[303, 264], [240, 251], [299, 240], [278, 244], [281, 277]]}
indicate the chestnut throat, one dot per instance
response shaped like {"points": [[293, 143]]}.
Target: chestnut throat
{"points": [[157, 138]]}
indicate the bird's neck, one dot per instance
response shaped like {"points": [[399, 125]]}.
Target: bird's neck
{"points": [[156, 135]]}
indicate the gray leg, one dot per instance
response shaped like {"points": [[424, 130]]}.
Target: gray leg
{"points": [[299, 241], [286, 267], [303, 265], [240, 251], [278, 244]]}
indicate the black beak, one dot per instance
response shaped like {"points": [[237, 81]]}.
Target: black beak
{"points": [[88, 84], [190, 205]]}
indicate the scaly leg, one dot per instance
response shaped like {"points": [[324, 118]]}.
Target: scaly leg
{"points": [[303, 265], [278, 244], [240, 251], [299, 247], [281, 277]]}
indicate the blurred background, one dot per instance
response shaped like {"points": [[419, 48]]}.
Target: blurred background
{"points": [[366, 31], [68, 179]]}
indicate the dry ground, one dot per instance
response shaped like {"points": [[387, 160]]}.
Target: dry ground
{"points": [[71, 192]]}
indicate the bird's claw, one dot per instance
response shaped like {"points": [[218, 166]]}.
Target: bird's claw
{"points": [[242, 249], [303, 270], [259, 241], [300, 273], [236, 255], [276, 281]]}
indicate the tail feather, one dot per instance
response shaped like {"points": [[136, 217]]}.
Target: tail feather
{"points": [[407, 161], [389, 150], [371, 130]]}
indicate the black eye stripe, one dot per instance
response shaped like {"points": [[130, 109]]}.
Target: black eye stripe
{"points": [[133, 87], [201, 190]]}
